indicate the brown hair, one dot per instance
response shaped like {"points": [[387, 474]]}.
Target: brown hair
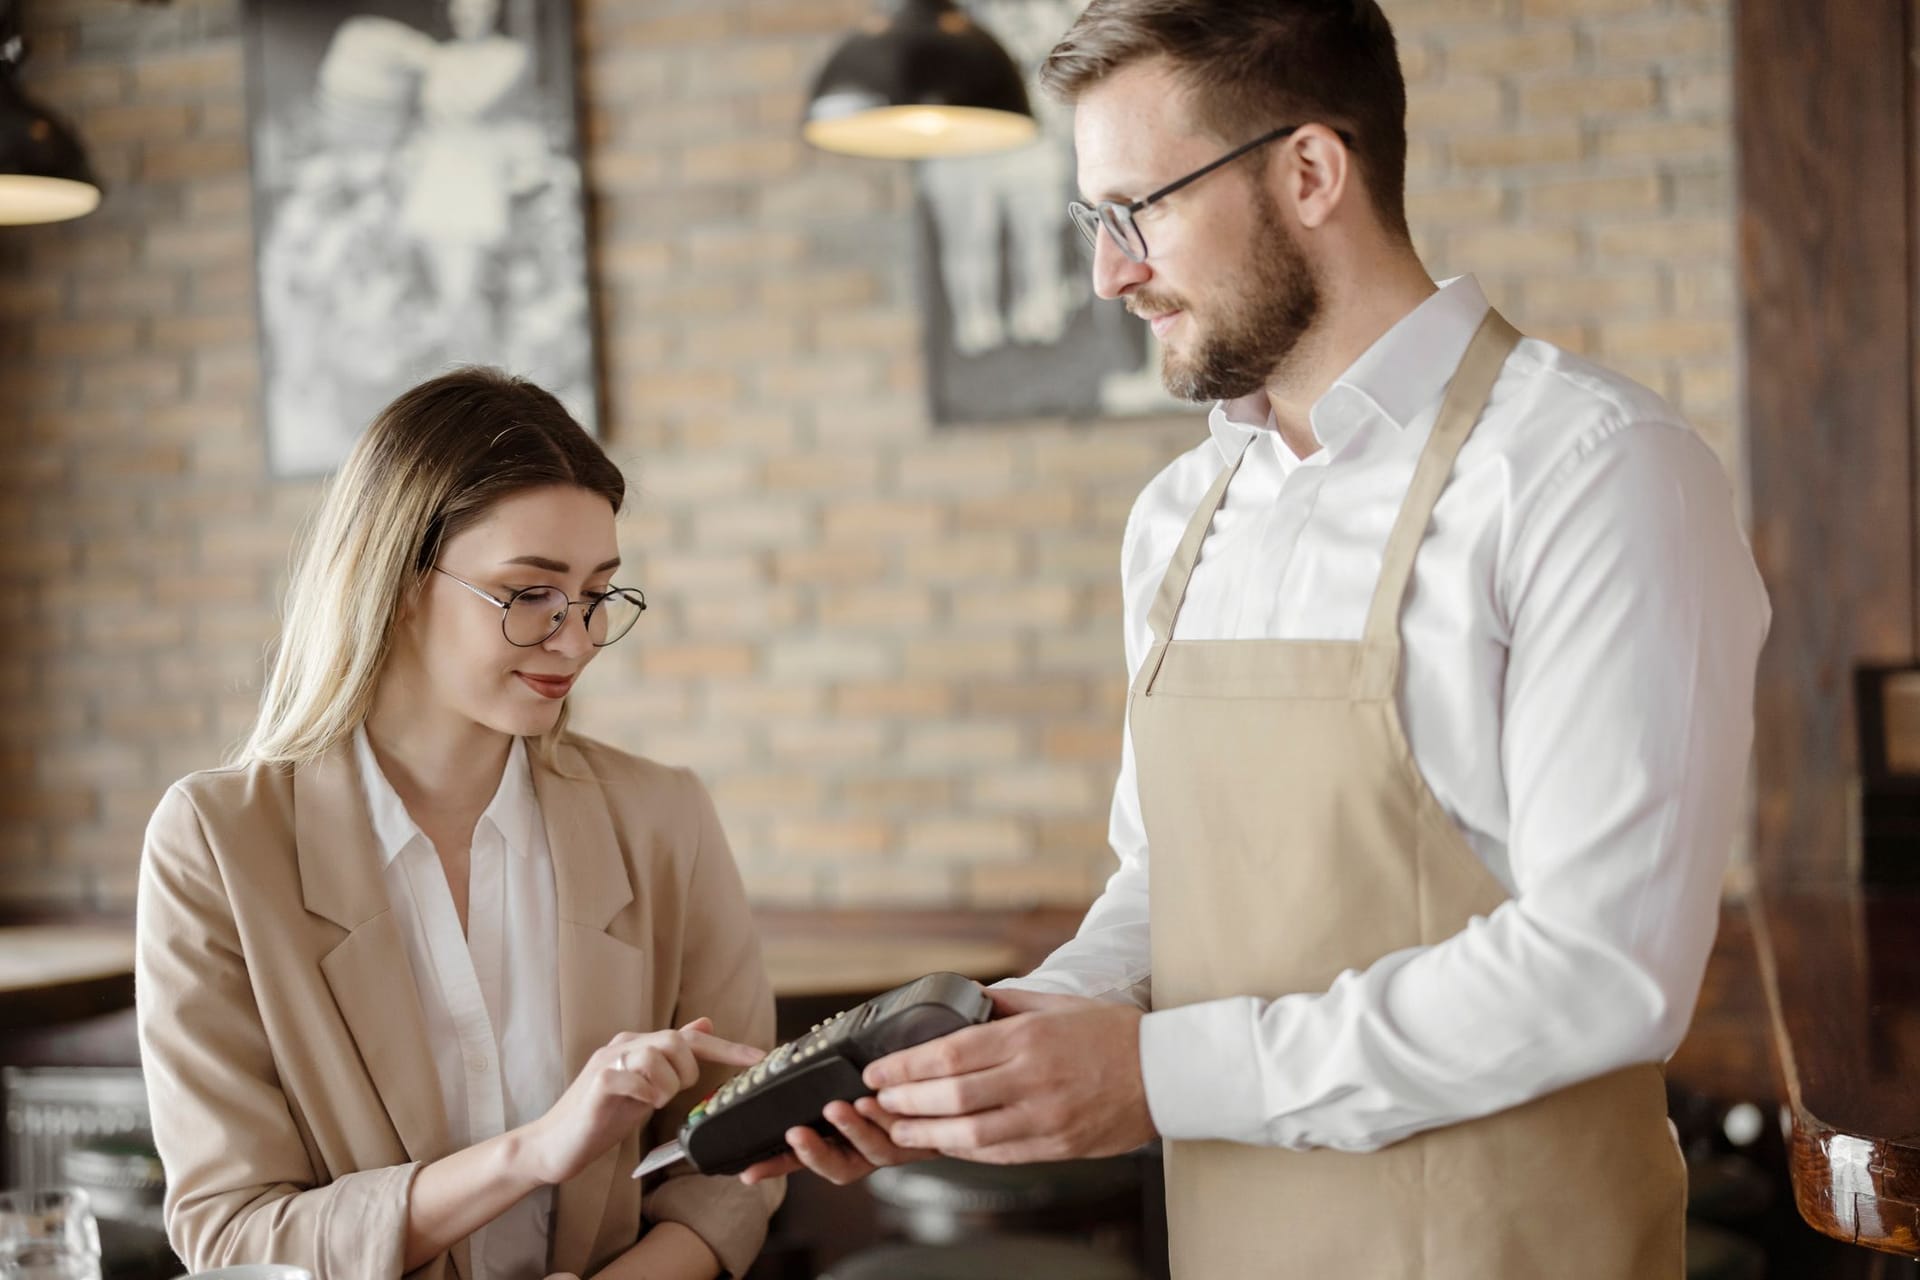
{"points": [[429, 465], [1253, 65]]}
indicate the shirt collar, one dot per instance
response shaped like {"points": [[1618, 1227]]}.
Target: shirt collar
{"points": [[1401, 374], [511, 811]]}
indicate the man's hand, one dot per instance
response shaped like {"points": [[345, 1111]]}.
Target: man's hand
{"points": [[1052, 1078]]}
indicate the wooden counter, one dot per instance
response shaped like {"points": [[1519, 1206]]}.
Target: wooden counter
{"points": [[1841, 970], [55, 973]]}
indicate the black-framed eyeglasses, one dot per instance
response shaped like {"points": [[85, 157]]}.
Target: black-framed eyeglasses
{"points": [[1116, 216], [534, 615]]}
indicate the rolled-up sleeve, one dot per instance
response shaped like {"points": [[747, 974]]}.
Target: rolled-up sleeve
{"points": [[240, 1186]]}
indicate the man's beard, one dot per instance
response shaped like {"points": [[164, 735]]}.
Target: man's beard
{"points": [[1279, 304]]}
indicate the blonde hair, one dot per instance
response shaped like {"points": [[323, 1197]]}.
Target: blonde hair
{"points": [[429, 465]]}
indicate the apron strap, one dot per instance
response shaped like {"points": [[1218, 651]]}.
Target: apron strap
{"points": [[1173, 586], [1466, 397]]}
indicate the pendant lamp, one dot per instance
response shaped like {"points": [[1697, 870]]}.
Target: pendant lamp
{"points": [[923, 80], [44, 174]]}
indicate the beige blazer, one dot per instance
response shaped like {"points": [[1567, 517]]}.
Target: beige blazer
{"points": [[292, 1089]]}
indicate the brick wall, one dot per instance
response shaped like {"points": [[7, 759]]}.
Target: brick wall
{"points": [[893, 651]]}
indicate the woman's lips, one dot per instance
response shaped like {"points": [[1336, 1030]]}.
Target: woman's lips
{"points": [[547, 686]]}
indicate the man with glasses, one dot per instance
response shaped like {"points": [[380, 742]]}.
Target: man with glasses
{"points": [[1443, 647]]}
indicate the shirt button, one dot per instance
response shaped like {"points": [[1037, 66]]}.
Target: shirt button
{"points": [[477, 1065]]}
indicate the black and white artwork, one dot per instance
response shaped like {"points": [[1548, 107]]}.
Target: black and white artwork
{"points": [[417, 204], [1013, 330]]}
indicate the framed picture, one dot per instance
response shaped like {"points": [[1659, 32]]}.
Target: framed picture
{"points": [[417, 204], [1012, 328]]}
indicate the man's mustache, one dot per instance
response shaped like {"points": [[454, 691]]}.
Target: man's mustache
{"points": [[1142, 306]]}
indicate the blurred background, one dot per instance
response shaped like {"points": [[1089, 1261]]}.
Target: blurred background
{"points": [[882, 446]]}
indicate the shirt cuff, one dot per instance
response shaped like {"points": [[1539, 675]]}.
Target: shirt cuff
{"points": [[1036, 982], [1201, 1067], [1046, 984]]}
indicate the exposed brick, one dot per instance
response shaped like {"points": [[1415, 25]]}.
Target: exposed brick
{"points": [[1514, 247], [1665, 140], [1550, 145], [752, 161], [668, 661], [1453, 103], [742, 615], [1506, 50], [1021, 608], [829, 740], [1611, 293], [862, 563], [880, 608], [196, 158], [1706, 94], [964, 656], [140, 122], [827, 657], [1051, 696], [902, 884], [892, 647], [1667, 338], [903, 699], [1668, 239], [756, 523], [987, 839], [1474, 204], [1587, 95], [897, 797], [1039, 884], [1586, 197], [1577, 8], [78, 339], [962, 743], [965, 557], [1661, 37], [1426, 15], [194, 72], [1083, 742]]}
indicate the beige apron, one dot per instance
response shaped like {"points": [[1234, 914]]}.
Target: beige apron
{"points": [[1294, 838]]}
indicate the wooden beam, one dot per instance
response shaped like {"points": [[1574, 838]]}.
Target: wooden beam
{"points": [[1825, 150]]}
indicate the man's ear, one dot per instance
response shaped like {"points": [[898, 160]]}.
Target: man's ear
{"points": [[1316, 170]]}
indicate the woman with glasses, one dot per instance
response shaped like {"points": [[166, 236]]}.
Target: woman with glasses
{"points": [[421, 973]]}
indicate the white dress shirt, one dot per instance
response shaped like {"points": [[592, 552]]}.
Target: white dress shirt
{"points": [[1580, 638], [492, 996]]}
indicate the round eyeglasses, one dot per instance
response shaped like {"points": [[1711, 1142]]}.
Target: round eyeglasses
{"points": [[534, 615]]}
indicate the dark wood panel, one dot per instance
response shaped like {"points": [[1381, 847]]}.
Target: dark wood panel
{"points": [[1821, 98], [1728, 1052], [1841, 968]]}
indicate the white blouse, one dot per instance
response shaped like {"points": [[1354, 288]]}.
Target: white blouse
{"points": [[492, 996]]}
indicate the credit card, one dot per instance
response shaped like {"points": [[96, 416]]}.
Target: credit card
{"points": [[660, 1157]]}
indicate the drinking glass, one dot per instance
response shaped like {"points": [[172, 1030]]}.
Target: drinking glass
{"points": [[48, 1235]]}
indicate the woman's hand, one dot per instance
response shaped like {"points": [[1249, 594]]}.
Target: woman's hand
{"points": [[625, 1081]]}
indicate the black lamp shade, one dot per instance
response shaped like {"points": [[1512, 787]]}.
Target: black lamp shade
{"points": [[44, 174], [925, 82]]}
